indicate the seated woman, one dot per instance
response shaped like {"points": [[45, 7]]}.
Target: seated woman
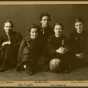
{"points": [[57, 44], [9, 43], [78, 43], [29, 51]]}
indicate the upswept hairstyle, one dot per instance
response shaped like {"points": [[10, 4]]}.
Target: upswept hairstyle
{"points": [[8, 21], [45, 14]]}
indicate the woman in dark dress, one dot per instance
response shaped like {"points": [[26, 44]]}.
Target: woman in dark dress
{"points": [[78, 44], [30, 51], [9, 44], [57, 47], [45, 32]]}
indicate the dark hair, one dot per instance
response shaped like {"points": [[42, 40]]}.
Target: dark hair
{"points": [[78, 20], [57, 23], [33, 26], [9, 21], [45, 14]]}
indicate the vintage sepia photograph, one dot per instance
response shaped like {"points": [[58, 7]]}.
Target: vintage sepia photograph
{"points": [[43, 44]]}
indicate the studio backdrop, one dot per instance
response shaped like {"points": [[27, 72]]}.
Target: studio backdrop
{"points": [[25, 15]]}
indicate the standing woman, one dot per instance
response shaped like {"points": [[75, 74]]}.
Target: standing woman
{"points": [[45, 26], [45, 32], [9, 43], [78, 43]]}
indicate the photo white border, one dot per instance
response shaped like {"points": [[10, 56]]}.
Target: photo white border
{"points": [[38, 83]]}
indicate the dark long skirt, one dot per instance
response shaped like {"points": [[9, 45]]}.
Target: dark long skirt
{"points": [[8, 57]]}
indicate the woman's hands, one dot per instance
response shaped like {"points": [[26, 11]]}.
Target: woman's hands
{"points": [[6, 43], [79, 55]]}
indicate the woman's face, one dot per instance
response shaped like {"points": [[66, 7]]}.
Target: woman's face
{"points": [[58, 30], [7, 27], [33, 33], [79, 27], [44, 21]]}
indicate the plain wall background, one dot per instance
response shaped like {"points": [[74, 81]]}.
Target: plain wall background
{"points": [[25, 15]]}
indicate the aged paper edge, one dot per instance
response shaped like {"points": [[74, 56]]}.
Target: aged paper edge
{"points": [[40, 2]]}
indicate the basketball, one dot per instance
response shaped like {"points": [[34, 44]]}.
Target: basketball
{"points": [[54, 64]]}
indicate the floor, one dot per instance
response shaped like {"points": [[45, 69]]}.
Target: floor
{"points": [[77, 74]]}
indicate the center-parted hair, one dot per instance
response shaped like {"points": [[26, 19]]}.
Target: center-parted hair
{"points": [[33, 26], [78, 20], [45, 14], [57, 23], [8, 21]]}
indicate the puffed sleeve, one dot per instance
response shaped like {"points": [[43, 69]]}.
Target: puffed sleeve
{"points": [[20, 51]]}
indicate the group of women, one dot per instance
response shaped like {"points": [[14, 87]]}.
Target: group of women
{"points": [[43, 47]]}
